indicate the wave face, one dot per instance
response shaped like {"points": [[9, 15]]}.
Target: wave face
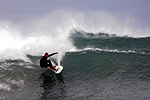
{"points": [[102, 67], [106, 42], [52, 32], [105, 64]]}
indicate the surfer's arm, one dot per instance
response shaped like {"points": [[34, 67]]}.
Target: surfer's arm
{"points": [[52, 54]]}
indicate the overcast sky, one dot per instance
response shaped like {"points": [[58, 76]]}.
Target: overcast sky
{"points": [[17, 10]]}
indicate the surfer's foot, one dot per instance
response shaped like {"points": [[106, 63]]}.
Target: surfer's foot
{"points": [[54, 66], [56, 69]]}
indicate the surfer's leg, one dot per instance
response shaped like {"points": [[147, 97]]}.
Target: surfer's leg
{"points": [[50, 65]]}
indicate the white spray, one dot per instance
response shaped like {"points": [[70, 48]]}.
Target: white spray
{"points": [[51, 32]]}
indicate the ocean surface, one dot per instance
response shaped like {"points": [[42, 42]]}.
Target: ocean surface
{"points": [[102, 67], [105, 57]]}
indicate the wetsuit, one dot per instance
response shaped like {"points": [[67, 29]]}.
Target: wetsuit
{"points": [[46, 63]]}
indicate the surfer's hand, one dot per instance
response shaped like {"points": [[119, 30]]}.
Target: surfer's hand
{"points": [[56, 52], [48, 67]]}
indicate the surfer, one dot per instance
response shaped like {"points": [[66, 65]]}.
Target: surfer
{"points": [[44, 63]]}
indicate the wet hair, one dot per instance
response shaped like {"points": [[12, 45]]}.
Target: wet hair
{"points": [[46, 53]]}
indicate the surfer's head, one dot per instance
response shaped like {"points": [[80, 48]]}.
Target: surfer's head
{"points": [[46, 54]]}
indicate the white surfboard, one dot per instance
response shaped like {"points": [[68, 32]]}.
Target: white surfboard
{"points": [[59, 70]]}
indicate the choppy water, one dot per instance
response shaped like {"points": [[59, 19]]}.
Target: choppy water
{"points": [[103, 67]]}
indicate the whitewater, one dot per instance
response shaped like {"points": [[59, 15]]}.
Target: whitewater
{"points": [[37, 35], [105, 56]]}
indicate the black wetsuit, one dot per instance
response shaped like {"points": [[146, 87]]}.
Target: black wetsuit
{"points": [[46, 63]]}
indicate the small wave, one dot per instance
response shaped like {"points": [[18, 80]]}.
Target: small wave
{"points": [[18, 83], [5, 87], [113, 51]]}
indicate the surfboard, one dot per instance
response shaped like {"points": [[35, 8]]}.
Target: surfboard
{"points": [[59, 70]]}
